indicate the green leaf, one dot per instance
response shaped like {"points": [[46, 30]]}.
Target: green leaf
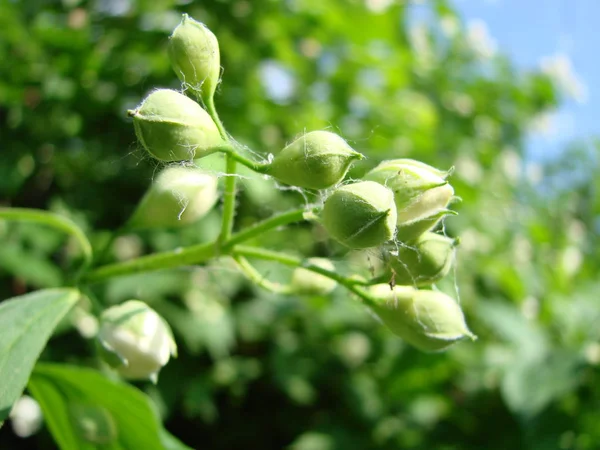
{"points": [[55, 221], [26, 323], [84, 410]]}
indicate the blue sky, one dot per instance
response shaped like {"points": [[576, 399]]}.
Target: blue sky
{"points": [[528, 31]]}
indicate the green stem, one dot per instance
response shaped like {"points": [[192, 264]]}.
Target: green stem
{"points": [[228, 199], [55, 221], [292, 261], [230, 173], [257, 278], [190, 255], [252, 165]]}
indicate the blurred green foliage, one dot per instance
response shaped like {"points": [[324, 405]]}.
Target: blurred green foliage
{"points": [[264, 371]]}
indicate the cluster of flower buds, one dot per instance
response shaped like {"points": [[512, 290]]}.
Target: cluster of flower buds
{"points": [[395, 207]]}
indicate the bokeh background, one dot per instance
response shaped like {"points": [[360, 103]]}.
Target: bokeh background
{"points": [[397, 79]]}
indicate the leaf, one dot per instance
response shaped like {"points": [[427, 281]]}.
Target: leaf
{"points": [[84, 409], [26, 323], [55, 221], [531, 384]]}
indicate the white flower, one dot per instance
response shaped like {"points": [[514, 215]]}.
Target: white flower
{"points": [[136, 340]]}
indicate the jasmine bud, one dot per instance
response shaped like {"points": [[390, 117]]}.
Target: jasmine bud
{"points": [[173, 127], [424, 262], [360, 215], [420, 191], [135, 340], [194, 53], [429, 320], [316, 160], [177, 197]]}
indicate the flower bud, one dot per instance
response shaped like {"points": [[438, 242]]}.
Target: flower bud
{"points": [[173, 127], [316, 160], [360, 215], [194, 54], [429, 320], [408, 233], [420, 191], [306, 282], [177, 197], [427, 260], [135, 340]]}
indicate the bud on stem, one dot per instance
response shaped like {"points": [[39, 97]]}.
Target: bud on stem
{"points": [[360, 215], [135, 340], [316, 160], [177, 197], [195, 57], [173, 127], [429, 320], [424, 262], [420, 191]]}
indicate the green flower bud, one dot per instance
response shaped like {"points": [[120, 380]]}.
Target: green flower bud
{"points": [[194, 54], [316, 160], [420, 191], [177, 197], [410, 232], [306, 282], [360, 215], [135, 340], [173, 127], [429, 320], [427, 260]]}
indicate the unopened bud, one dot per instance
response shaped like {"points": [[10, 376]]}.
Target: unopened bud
{"points": [[425, 261], [306, 282], [420, 191], [194, 54], [410, 232], [360, 215], [429, 320], [316, 160], [135, 340], [177, 197], [173, 127]]}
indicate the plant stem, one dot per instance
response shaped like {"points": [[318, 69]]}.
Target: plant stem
{"points": [[191, 255], [252, 165], [228, 199], [288, 260], [230, 173], [257, 278]]}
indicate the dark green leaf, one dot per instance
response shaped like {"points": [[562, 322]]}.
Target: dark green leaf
{"points": [[26, 323], [85, 409]]}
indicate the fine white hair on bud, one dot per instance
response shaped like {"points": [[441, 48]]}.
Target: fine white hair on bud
{"points": [[173, 127], [135, 340], [177, 197], [421, 192], [426, 261], [360, 215], [316, 160], [428, 320], [194, 53]]}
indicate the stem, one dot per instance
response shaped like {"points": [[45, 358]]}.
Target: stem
{"points": [[230, 171], [257, 278], [288, 260], [228, 199], [252, 165], [190, 255]]}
